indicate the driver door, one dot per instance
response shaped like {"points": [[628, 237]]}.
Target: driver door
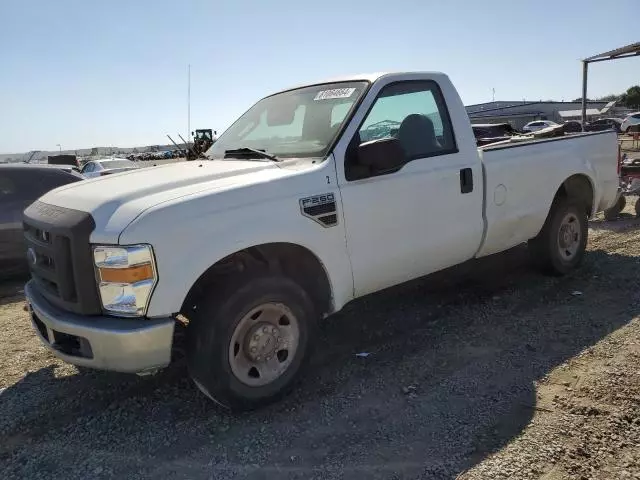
{"points": [[422, 217]]}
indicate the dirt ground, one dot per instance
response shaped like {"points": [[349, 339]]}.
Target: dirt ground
{"points": [[486, 371]]}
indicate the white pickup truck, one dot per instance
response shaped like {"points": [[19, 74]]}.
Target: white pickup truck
{"points": [[315, 196]]}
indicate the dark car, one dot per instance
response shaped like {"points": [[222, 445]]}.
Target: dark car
{"points": [[21, 185], [572, 126], [70, 160], [487, 133], [604, 124]]}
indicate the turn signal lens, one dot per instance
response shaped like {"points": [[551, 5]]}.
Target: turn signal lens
{"points": [[126, 275]]}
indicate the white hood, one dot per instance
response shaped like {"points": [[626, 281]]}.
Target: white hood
{"points": [[116, 200]]}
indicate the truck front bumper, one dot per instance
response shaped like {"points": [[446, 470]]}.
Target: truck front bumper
{"points": [[108, 343]]}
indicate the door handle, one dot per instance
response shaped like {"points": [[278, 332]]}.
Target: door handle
{"points": [[466, 180]]}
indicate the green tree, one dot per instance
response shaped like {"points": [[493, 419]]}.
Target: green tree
{"points": [[631, 98]]}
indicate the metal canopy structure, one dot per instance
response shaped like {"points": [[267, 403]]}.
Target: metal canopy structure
{"points": [[632, 50], [623, 52]]}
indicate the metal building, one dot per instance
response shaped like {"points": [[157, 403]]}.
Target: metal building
{"points": [[519, 113]]}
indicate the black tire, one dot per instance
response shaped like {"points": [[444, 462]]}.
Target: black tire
{"points": [[614, 212], [637, 207], [545, 248], [211, 331]]}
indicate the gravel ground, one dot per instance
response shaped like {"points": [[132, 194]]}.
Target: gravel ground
{"points": [[486, 371]]}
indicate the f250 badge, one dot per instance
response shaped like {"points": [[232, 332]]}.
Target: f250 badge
{"points": [[321, 209]]}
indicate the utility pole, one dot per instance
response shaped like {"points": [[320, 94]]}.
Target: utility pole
{"points": [[585, 71], [493, 91], [59, 146]]}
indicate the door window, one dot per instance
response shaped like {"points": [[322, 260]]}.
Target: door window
{"points": [[49, 179], [413, 112], [19, 185]]}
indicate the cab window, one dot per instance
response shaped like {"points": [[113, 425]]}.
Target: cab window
{"points": [[414, 113]]}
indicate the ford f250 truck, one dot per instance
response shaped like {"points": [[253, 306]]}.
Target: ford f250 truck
{"points": [[315, 196]]}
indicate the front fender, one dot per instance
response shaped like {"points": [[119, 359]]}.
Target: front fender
{"points": [[185, 252]]}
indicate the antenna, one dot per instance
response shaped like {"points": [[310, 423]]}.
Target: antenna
{"points": [[189, 101]]}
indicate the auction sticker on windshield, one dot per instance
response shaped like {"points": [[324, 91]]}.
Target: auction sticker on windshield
{"points": [[335, 93]]}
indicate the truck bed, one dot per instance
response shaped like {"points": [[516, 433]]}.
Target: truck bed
{"points": [[522, 177]]}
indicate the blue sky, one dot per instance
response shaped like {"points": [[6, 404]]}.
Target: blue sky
{"points": [[114, 73]]}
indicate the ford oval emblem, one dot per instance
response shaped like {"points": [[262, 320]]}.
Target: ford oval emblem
{"points": [[31, 256]]}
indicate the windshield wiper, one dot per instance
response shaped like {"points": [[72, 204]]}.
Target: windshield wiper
{"points": [[249, 151]]}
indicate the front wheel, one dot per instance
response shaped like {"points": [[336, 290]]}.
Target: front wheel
{"points": [[248, 342], [560, 245]]}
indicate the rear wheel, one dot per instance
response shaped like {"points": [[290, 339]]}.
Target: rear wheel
{"points": [[560, 245], [248, 343]]}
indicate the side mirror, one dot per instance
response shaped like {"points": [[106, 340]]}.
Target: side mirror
{"points": [[381, 156]]}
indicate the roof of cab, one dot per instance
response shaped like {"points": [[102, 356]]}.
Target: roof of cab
{"points": [[368, 77]]}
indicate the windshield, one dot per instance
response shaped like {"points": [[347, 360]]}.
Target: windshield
{"points": [[297, 123], [117, 164]]}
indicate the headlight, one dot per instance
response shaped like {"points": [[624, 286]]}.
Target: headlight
{"points": [[126, 277]]}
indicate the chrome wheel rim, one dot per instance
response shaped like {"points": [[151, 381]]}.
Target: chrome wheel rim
{"points": [[264, 344], [569, 236]]}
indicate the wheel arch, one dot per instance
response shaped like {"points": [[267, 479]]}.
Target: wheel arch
{"points": [[577, 185], [290, 259], [580, 187]]}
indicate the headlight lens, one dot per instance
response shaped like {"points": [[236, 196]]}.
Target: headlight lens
{"points": [[126, 277]]}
